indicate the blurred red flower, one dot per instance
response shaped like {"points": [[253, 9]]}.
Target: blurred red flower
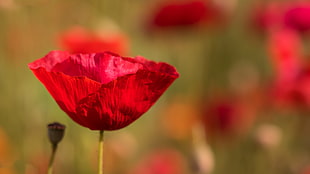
{"points": [[278, 15], [164, 161], [7, 156], [80, 40], [292, 71], [267, 16], [294, 93], [103, 91], [305, 170], [221, 116], [179, 118], [285, 50], [297, 17], [227, 116], [185, 13], [37, 164]]}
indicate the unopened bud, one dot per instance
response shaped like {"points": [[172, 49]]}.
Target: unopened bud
{"points": [[56, 132]]}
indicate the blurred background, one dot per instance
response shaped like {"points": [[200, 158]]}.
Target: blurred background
{"points": [[241, 104]]}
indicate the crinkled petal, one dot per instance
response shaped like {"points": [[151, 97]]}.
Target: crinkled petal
{"points": [[122, 101], [157, 67], [50, 60], [101, 67], [66, 90]]}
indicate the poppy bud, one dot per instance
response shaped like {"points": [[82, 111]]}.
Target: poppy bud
{"points": [[55, 132]]}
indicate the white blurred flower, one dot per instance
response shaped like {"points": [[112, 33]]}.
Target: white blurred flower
{"points": [[203, 155], [7, 4], [228, 5], [124, 144], [268, 135]]}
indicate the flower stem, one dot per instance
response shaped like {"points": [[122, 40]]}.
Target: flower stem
{"points": [[100, 153], [50, 165]]}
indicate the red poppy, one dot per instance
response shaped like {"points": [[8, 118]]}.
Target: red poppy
{"points": [[80, 40], [187, 13], [7, 156], [227, 116], [103, 91], [298, 17], [267, 17], [292, 77], [179, 127], [295, 92], [285, 50], [305, 170], [162, 161], [222, 116]]}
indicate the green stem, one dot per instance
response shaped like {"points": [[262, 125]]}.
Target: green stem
{"points": [[100, 153], [50, 165]]}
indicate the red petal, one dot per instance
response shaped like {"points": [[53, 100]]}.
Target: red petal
{"points": [[50, 60], [67, 91], [122, 101], [101, 67]]}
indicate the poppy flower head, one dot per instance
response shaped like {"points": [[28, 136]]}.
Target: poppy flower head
{"points": [[227, 117], [103, 91], [285, 48], [294, 93], [179, 118], [298, 17], [184, 14], [80, 40], [291, 82], [223, 114], [55, 132], [161, 161], [305, 170], [7, 156], [267, 17]]}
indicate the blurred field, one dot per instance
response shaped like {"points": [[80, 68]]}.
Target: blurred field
{"points": [[218, 62]]}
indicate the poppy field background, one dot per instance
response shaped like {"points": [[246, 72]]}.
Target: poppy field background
{"points": [[240, 105]]}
